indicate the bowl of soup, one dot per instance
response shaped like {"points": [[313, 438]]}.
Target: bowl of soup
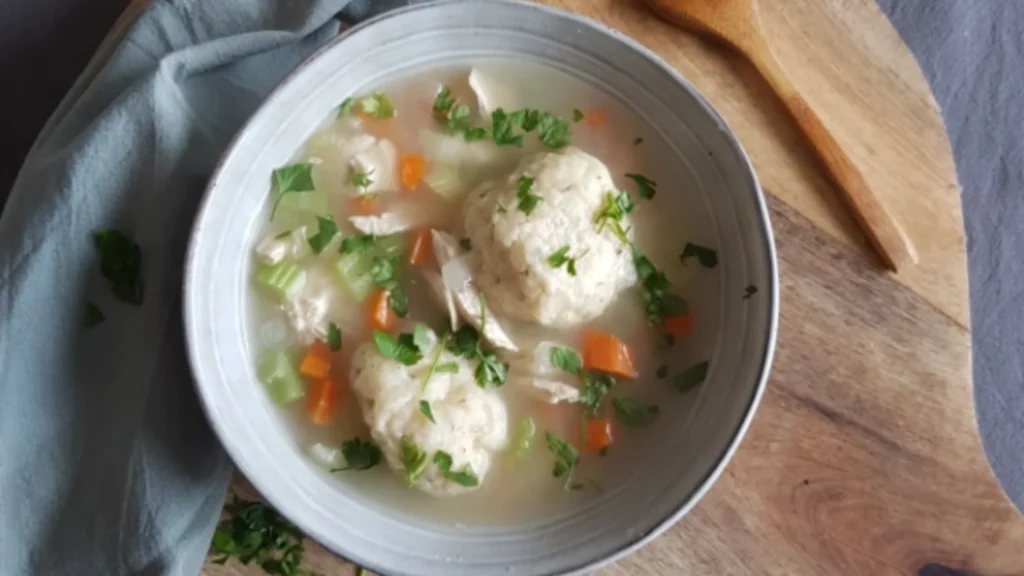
{"points": [[483, 287]]}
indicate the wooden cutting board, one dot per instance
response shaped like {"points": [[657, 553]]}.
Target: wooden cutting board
{"points": [[864, 457]]}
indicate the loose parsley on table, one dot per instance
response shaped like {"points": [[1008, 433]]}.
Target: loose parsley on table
{"points": [[691, 377], [291, 179], [327, 229], [707, 257], [528, 201], [256, 533], [645, 187], [634, 414], [120, 264], [359, 455]]}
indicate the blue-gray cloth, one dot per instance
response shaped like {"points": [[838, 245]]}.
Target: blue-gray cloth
{"points": [[107, 465]]}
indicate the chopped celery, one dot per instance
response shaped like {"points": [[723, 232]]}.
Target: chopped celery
{"points": [[445, 180], [527, 429], [311, 202], [285, 280], [280, 377], [390, 246], [354, 269]]}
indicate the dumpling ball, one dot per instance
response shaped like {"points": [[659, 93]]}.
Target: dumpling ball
{"points": [[538, 252], [471, 422]]}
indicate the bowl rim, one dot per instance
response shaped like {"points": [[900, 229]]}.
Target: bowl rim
{"points": [[632, 543]]}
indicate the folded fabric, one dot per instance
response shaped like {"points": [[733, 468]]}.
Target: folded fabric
{"points": [[107, 465]]}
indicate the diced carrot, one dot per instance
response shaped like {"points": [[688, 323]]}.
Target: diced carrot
{"points": [[380, 315], [678, 326], [316, 363], [322, 399], [413, 167], [606, 353], [598, 434], [422, 248], [364, 205], [596, 118]]}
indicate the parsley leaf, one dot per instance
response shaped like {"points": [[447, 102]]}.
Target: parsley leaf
{"points": [[378, 106], [93, 315], [356, 243], [577, 114], [346, 106], [465, 478], [595, 387], [413, 460], [120, 264], [612, 212], [749, 291], [398, 301], [634, 414], [362, 179], [291, 179], [645, 187], [527, 118], [333, 337], [561, 257], [553, 131], [403, 349], [527, 199], [567, 359], [384, 272], [491, 370], [464, 342], [654, 287], [359, 455], [707, 257], [567, 457], [327, 229], [256, 533], [426, 411], [503, 129], [691, 377], [476, 133]]}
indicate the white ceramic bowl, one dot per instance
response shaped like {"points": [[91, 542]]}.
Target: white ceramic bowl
{"points": [[723, 193]]}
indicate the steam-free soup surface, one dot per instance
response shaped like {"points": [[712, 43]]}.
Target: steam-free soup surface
{"points": [[539, 217]]}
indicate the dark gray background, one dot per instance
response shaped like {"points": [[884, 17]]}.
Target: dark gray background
{"points": [[972, 52]]}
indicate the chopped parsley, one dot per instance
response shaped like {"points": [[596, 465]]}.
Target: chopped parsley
{"points": [[120, 264], [465, 478], [291, 179], [427, 411], [402, 349], [638, 141], [577, 114], [452, 115], [634, 414], [362, 179], [326, 230], [528, 201], [398, 301], [476, 133], [595, 388], [384, 273], [567, 457], [662, 372], [346, 106], [377, 106], [503, 129], [749, 291], [466, 244], [333, 337], [654, 287], [613, 211], [256, 533], [465, 343], [491, 370], [356, 243], [691, 377], [93, 315], [561, 257], [567, 359], [527, 118], [501, 208], [553, 131], [645, 187], [707, 257], [414, 460], [359, 455]]}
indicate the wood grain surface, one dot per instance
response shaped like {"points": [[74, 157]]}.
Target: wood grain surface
{"points": [[864, 457]]}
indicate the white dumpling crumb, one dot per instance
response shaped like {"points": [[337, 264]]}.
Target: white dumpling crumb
{"points": [[511, 248], [471, 422]]}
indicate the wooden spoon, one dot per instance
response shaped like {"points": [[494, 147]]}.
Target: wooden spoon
{"points": [[737, 24]]}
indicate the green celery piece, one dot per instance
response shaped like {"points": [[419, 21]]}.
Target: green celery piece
{"points": [[280, 377], [354, 269], [391, 246], [284, 280]]}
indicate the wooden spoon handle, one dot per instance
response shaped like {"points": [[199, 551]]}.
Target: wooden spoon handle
{"points": [[878, 224]]}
